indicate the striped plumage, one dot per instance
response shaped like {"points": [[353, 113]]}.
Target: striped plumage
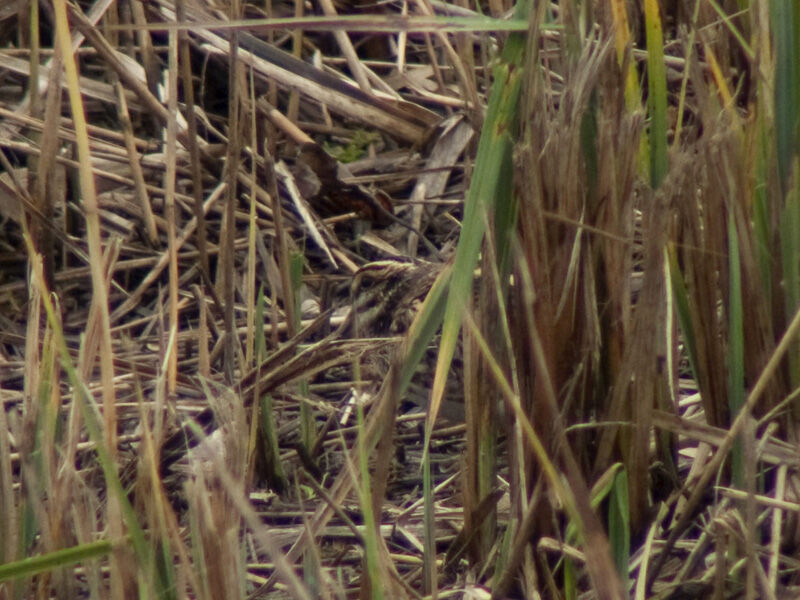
{"points": [[386, 295]]}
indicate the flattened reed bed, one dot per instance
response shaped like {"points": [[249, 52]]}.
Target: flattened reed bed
{"points": [[196, 220]]}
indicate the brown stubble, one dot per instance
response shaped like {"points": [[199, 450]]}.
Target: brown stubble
{"points": [[49, 190], [553, 245], [482, 398], [721, 183], [575, 249], [194, 152], [642, 369], [613, 204], [209, 494], [226, 283]]}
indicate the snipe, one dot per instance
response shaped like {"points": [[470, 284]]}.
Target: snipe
{"points": [[387, 294], [385, 297]]}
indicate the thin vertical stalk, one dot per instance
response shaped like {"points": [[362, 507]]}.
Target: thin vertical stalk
{"points": [[657, 93]]}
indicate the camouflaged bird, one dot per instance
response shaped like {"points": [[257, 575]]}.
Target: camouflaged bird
{"points": [[385, 297]]}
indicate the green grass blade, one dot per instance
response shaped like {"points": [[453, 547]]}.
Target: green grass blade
{"points": [[429, 523], [681, 299], [424, 327], [790, 254], [570, 580], [736, 392], [491, 178], [367, 23], [267, 439], [623, 45], [370, 532], [619, 524], [53, 560], [657, 93], [89, 411], [762, 230], [787, 84], [601, 490], [307, 426]]}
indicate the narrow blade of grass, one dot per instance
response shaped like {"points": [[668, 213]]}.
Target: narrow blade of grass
{"points": [[619, 524], [53, 560], [491, 166], [736, 379], [657, 93]]}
